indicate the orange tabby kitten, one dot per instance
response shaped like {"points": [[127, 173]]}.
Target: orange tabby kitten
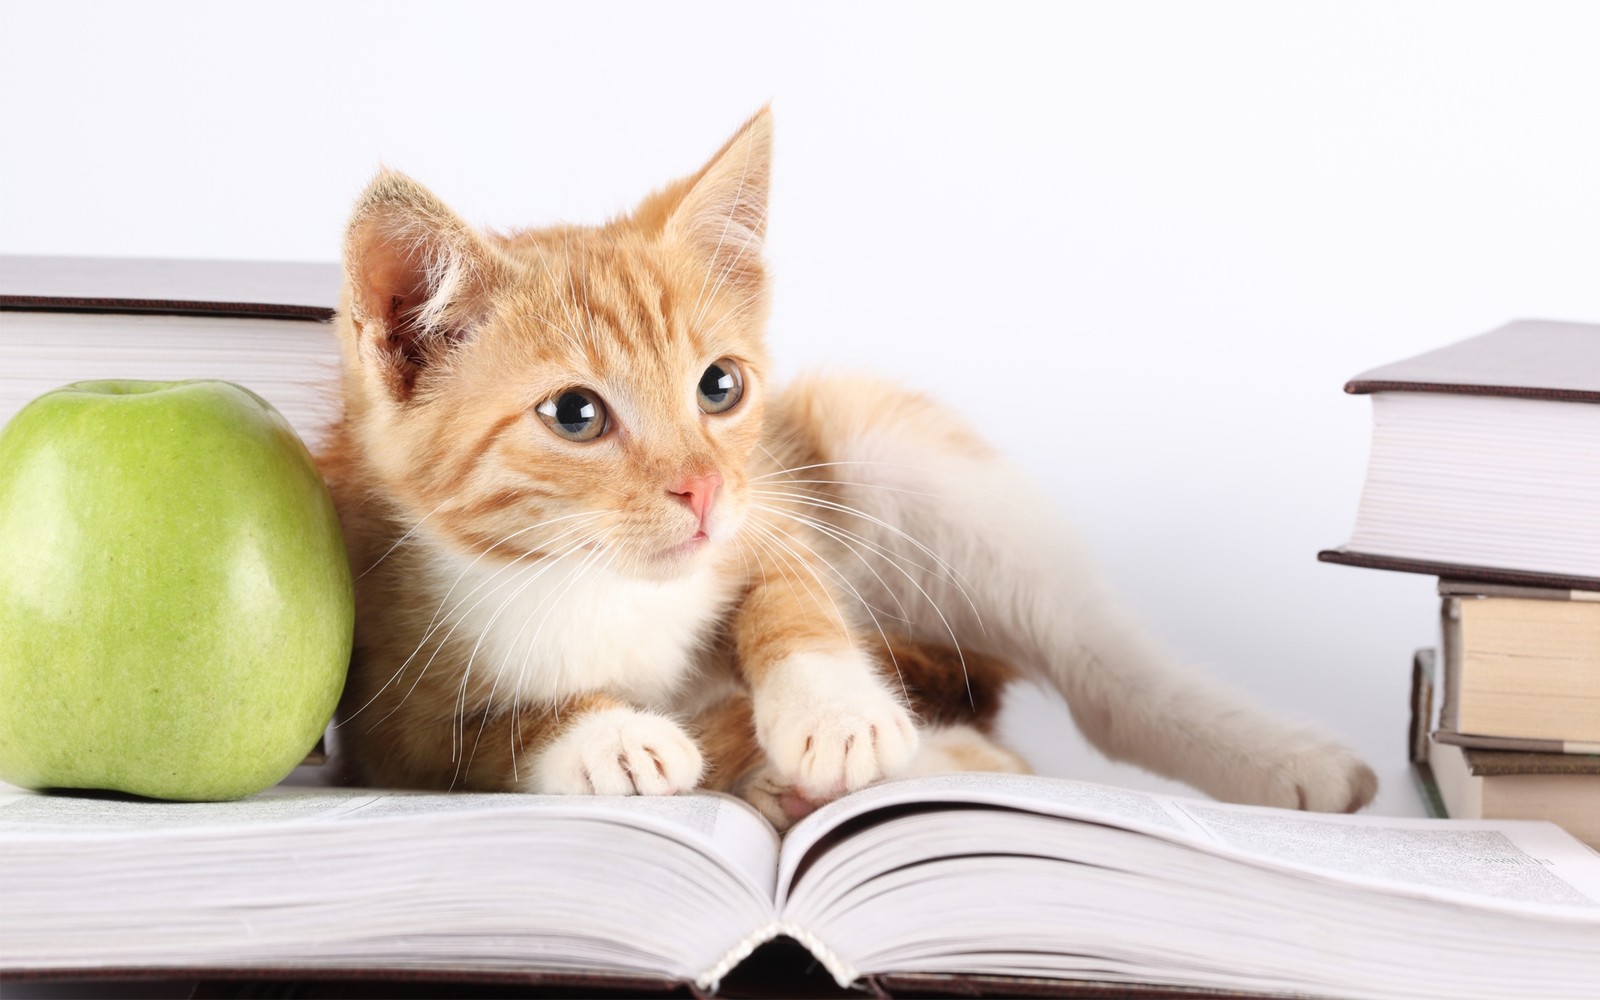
{"points": [[598, 551]]}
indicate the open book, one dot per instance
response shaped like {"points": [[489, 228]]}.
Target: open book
{"points": [[964, 874]]}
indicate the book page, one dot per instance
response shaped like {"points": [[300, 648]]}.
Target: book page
{"points": [[321, 877], [1104, 803], [1510, 861], [724, 827], [32, 814], [1506, 864], [292, 364], [970, 888]]}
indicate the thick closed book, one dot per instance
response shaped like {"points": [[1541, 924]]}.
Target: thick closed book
{"points": [[1520, 784], [262, 324], [1485, 460], [1521, 668], [952, 876], [1463, 778]]}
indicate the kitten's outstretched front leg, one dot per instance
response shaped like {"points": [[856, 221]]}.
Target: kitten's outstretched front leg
{"points": [[829, 725], [824, 716], [954, 695]]}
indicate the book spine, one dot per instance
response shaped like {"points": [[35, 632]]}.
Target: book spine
{"points": [[1424, 678], [1450, 663], [712, 977], [842, 972]]}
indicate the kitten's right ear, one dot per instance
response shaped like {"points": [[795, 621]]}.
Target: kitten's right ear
{"points": [[723, 211], [419, 280]]}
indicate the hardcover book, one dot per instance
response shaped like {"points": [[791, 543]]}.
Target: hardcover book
{"points": [[1521, 668], [954, 876], [1466, 781], [1485, 461], [262, 324]]}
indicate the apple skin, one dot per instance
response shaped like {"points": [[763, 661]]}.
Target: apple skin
{"points": [[176, 608]]}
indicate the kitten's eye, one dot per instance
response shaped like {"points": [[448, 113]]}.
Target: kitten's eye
{"points": [[575, 414], [721, 387]]}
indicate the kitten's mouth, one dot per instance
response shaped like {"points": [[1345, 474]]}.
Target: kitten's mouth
{"points": [[694, 544]]}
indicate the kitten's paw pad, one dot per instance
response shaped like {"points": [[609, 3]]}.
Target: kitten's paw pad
{"points": [[619, 751], [1324, 777], [829, 727], [780, 803], [838, 748]]}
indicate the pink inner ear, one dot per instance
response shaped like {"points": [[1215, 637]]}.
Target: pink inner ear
{"points": [[393, 286]]}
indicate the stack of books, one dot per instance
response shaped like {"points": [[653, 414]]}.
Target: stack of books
{"points": [[1485, 472]]}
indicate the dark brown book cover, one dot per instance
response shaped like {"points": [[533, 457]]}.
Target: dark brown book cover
{"points": [[273, 289], [1487, 574], [779, 969], [1497, 763]]}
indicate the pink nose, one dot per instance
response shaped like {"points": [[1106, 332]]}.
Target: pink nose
{"points": [[697, 493]]}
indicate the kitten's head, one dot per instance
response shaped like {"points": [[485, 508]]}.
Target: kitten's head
{"points": [[573, 389]]}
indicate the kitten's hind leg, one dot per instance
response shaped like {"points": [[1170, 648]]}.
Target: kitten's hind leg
{"points": [[947, 749], [957, 698], [932, 527]]}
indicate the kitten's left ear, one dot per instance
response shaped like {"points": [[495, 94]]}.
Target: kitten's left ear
{"points": [[419, 279], [723, 215]]}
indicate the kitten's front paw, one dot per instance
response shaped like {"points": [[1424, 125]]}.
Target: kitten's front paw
{"points": [[619, 751], [829, 726], [1308, 772]]}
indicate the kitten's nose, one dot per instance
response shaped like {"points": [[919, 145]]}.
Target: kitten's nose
{"points": [[697, 492]]}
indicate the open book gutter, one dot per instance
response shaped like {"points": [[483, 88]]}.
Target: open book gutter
{"points": [[950, 876]]}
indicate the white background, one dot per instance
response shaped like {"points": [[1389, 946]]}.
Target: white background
{"points": [[1142, 245]]}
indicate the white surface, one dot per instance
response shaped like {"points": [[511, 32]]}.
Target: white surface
{"points": [[1142, 244]]}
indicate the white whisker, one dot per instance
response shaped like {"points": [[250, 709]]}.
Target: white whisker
{"points": [[435, 623], [402, 539], [744, 171], [948, 571], [888, 648], [903, 616], [488, 627], [773, 538]]}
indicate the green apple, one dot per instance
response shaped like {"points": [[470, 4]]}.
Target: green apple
{"points": [[175, 603]]}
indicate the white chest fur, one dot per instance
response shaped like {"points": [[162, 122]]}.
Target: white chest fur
{"points": [[561, 627]]}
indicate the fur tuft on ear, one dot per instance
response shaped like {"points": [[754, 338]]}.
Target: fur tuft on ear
{"points": [[418, 279], [722, 211]]}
